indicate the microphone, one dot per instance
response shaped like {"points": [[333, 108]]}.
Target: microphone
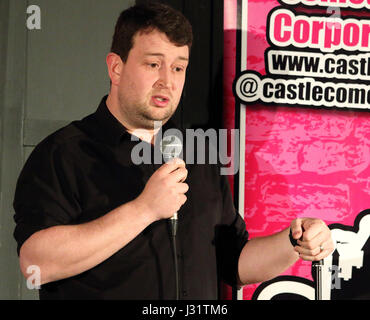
{"points": [[171, 148]]}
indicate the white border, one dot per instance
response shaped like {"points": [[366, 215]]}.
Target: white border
{"points": [[242, 124]]}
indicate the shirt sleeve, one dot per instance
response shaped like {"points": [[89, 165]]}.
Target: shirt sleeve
{"points": [[45, 194], [231, 236]]}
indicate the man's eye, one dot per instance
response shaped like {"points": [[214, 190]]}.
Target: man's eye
{"points": [[179, 69], [153, 65]]}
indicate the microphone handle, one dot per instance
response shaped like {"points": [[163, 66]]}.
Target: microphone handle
{"points": [[174, 223]]}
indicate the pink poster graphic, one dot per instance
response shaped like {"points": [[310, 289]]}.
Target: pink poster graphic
{"points": [[297, 86]]}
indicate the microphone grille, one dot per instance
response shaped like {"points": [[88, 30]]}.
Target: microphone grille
{"points": [[171, 147]]}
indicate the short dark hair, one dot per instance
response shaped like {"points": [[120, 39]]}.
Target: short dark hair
{"points": [[147, 17]]}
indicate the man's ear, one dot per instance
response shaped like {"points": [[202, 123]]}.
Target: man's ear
{"points": [[114, 64]]}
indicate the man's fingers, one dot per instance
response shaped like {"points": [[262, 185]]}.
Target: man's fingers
{"points": [[313, 248], [179, 175], [318, 257], [296, 228], [312, 228], [183, 188], [176, 161], [171, 166], [318, 247], [313, 243], [313, 237], [317, 253], [306, 228]]}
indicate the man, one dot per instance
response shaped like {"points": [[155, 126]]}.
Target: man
{"points": [[97, 225]]}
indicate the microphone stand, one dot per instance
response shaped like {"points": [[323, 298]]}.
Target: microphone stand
{"points": [[318, 290]]}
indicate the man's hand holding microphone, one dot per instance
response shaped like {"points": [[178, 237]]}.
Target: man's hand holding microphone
{"points": [[164, 193]]}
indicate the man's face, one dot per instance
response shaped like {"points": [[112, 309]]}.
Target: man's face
{"points": [[152, 80]]}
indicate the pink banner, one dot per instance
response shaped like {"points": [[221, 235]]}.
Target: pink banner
{"points": [[298, 72]]}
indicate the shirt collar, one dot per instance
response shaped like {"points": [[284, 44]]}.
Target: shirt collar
{"points": [[112, 131]]}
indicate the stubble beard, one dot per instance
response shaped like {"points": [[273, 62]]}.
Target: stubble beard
{"points": [[141, 117]]}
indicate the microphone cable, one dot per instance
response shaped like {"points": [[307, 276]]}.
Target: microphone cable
{"points": [[174, 224]]}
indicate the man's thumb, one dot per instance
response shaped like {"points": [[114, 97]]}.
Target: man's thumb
{"points": [[296, 228]]}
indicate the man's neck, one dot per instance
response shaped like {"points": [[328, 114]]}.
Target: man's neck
{"points": [[147, 135]]}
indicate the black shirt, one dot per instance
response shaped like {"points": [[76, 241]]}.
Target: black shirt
{"points": [[85, 170]]}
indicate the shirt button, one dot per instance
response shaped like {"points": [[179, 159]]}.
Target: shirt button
{"points": [[184, 293]]}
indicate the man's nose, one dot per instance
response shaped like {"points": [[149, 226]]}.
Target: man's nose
{"points": [[164, 78]]}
